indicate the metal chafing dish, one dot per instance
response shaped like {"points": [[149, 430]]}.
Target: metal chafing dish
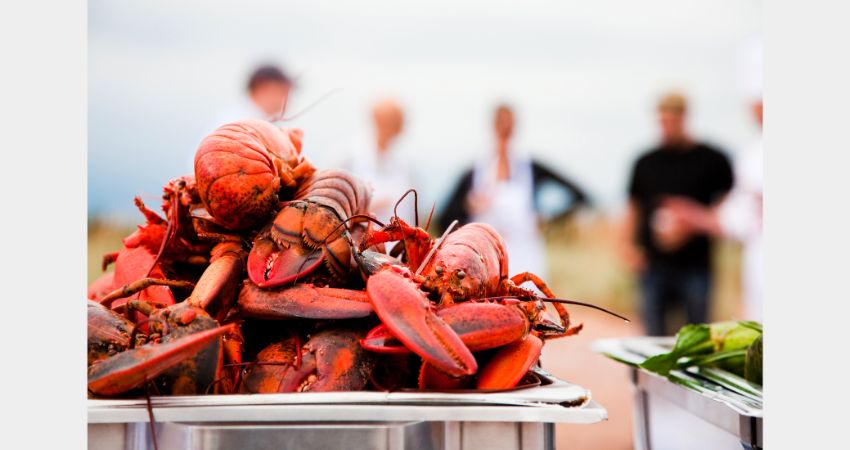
{"points": [[518, 419], [698, 408]]}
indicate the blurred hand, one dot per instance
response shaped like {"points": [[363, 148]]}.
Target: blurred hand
{"points": [[669, 229], [633, 257], [478, 203], [689, 213]]}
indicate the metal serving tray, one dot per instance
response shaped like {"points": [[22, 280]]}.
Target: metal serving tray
{"points": [[519, 419], [695, 408]]}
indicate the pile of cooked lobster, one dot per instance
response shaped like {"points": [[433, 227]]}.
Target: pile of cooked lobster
{"points": [[266, 275]]}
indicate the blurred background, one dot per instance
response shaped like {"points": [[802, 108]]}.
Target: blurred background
{"points": [[583, 80]]}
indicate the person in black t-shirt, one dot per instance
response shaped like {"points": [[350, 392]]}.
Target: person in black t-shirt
{"points": [[672, 258]]}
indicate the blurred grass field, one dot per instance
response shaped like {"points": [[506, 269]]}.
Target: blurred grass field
{"points": [[583, 264]]}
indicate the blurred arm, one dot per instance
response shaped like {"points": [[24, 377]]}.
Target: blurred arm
{"points": [[456, 206], [631, 254], [541, 173]]}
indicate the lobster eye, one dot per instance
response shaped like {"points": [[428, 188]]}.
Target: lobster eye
{"points": [[460, 274], [439, 270]]}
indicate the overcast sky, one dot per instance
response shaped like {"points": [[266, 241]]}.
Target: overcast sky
{"points": [[583, 77]]}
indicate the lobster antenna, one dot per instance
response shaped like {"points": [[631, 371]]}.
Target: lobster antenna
{"points": [[588, 305], [345, 223], [415, 205], [430, 215], [151, 420], [564, 301], [305, 109], [436, 246]]}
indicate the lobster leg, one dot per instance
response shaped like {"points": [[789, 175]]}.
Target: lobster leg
{"points": [[108, 259], [303, 301], [416, 241], [132, 368], [221, 279], [409, 315], [151, 216], [140, 285], [510, 364], [564, 315], [232, 344]]}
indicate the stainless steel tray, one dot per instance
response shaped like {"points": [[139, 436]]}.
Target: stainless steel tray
{"points": [[520, 419], [695, 408]]}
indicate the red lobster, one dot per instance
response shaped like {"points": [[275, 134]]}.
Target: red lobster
{"points": [[468, 264], [180, 350], [242, 166]]}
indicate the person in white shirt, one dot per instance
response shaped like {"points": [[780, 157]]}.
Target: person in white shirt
{"points": [[380, 161], [503, 191], [267, 92]]}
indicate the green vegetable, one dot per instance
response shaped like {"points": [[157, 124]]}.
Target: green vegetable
{"points": [[732, 335], [691, 339], [721, 344], [753, 366]]}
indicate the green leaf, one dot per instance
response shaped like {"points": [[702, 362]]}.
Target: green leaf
{"points": [[691, 339], [691, 336], [730, 360]]}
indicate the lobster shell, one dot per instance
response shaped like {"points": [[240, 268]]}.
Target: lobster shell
{"points": [[240, 168]]}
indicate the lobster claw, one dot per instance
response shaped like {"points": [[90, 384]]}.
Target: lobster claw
{"points": [[272, 373], [481, 326], [341, 364], [381, 340], [132, 368], [409, 315], [270, 266], [432, 379], [510, 364], [331, 360], [303, 301]]}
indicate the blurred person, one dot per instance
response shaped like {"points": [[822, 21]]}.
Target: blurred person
{"points": [[503, 190], [673, 259], [739, 217], [267, 91], [379, 161]]}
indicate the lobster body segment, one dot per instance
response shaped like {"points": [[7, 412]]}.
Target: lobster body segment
{"points": [[471, 263]]}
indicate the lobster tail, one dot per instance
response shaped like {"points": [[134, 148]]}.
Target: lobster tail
{"points": [[240, 168]]}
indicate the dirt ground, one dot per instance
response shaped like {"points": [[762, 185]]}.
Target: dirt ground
{"points": [[583, 265]]}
